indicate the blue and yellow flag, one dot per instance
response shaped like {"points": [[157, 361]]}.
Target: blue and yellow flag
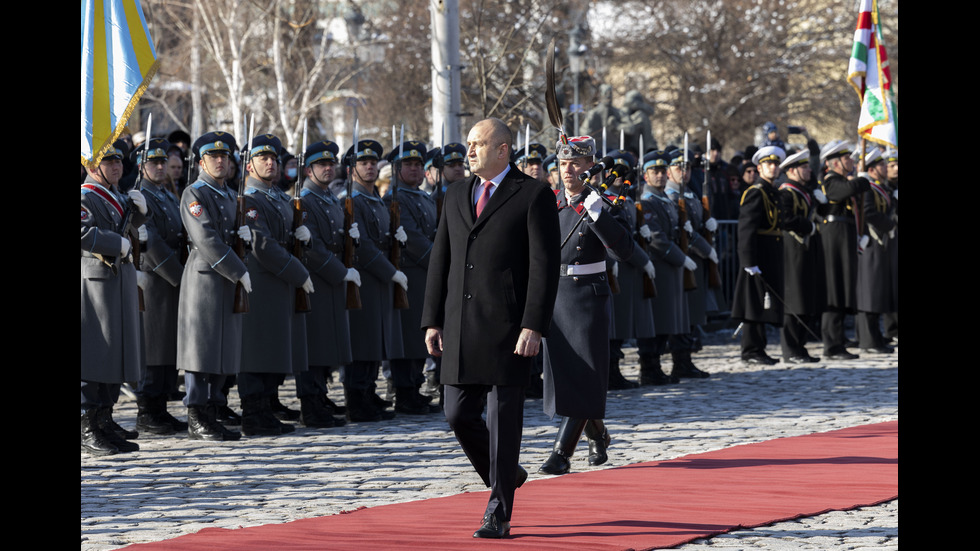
{"points": [[118, 62]]}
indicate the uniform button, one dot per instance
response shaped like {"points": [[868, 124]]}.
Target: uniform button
{"points": [[581, 234], [468, 296], [469, 266], [575, 279], [578, 249], [576, 262], [472, 237]]}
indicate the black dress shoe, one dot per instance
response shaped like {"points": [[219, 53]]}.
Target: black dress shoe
{"points": [[880, 349], [801, 359], [843, 355], [493, 528], [758, 359]]}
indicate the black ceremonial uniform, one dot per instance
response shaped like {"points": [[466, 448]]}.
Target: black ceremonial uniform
{"points": [[804, 286], [874, 274], [838, 232]]}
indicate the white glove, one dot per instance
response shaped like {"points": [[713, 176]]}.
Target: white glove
{"points": [[137, 198], [753, 270], [401, 279], [354, 233], [615, 269], [245, 234], [645, 232], [650, 270], [819, 196], [891, 233], [688, 227], [895, 194], [863, 242], [593, 204], [246, 282], [124, 247], [713, 256], [141, 279], [303, 234], [401, 236], [142, 233], [690, 264], [308, 284], [353, 276], [711, 224]]}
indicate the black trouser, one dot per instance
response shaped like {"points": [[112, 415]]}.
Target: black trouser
{"points": [[407, 373], [258, 385], [753, 338], [313, 381], [868, 327], [832, 330], [205, 388], [492, 446], [793, 335], [158, 380], [99, 394]]}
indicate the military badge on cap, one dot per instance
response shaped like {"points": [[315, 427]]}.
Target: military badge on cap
{"points": [[579, 146], [408, 150], [655, 159], [325, 150], [264, 144], [535, 154], [454, 153], [213, 143]]}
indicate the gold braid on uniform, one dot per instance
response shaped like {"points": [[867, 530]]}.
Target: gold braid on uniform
{"points": [[771, 210]]}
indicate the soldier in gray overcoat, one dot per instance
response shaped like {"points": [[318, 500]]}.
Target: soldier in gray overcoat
{"points": [[375, 328], [327, 325], [874, 270], [683, 344], [110, 311], [162, 236], [662, 231], [632, 312], [418, 220], [576, 351], [209, 332], [273, 333]]}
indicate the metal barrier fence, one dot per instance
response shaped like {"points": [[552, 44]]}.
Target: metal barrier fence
{"points": [[725, 242]]}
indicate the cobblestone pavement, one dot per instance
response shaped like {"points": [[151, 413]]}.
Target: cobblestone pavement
{"points": [[175, 486]]}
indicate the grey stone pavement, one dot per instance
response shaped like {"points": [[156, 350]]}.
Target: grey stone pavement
{"points": [[175, 486]]}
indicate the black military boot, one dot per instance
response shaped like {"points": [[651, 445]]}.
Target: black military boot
{"points": [[598, 435], [201, 425], [616, 379], [684, 367], [94, 440], [227, 434], [378, 404], [569, 432], [115, 434], [257, 418], [226, 416], [282, 412], [333, 407], [651, 373], [358, 408], [315, 414], [148, 418]]}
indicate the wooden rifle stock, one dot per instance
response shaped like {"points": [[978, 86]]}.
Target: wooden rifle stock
{"points": [[714, 278], [395, 253], [689, 282], [353, 292], [241, 296], [302, 297], [649, 287]]}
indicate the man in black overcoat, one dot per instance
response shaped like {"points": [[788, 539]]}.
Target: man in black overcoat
{"points": [[490, 293]]}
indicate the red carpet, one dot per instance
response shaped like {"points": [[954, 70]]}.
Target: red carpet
{"points": [[643, 506]]}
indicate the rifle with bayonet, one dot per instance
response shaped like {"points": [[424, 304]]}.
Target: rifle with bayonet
{"points": [[440, 163], [241, 296], [302, 297], [128, 230], [400, 296], [690, 283], [353, 293], [714, 278]]}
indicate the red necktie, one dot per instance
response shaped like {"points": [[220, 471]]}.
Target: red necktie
{"points": [[482, 202]]}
